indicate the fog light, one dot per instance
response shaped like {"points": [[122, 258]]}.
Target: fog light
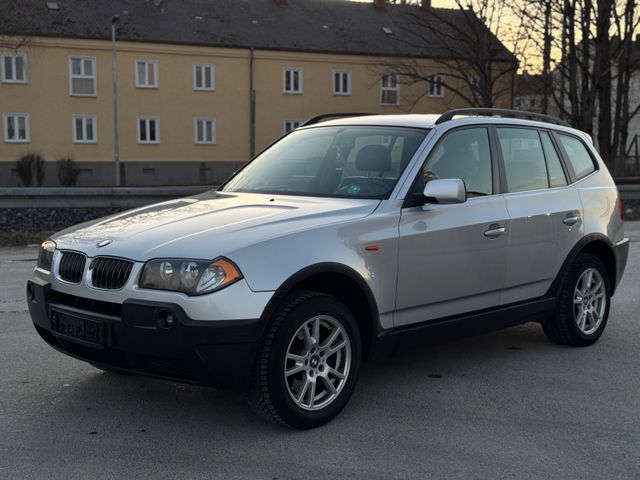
{"points": [[166, 319], [30, 294]]}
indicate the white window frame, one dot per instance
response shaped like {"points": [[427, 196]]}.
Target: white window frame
{"points": [[333, 82], [213, 131], [390, 89], [434, 93], [147, 119], [146, 62], [300, 89], [290, 121], [84, 118], [24, 67], [204, 66], [5, 127], [82, 75]]}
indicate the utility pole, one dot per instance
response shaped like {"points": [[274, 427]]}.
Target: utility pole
{"points": [[116, 134]]}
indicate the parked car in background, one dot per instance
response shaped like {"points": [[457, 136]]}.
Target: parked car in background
{"points": [[346, 239]]}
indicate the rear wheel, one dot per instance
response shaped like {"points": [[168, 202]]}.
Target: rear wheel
{"points": [[583, 304], [308, 362]]}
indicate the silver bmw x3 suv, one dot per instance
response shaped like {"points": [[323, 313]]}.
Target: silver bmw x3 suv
{"points": [[346, 239]]}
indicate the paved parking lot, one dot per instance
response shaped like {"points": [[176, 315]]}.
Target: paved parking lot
{"points": [[504, 405]]}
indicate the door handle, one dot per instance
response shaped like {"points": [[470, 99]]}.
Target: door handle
{"points": [[494, 231], [570, 219]]}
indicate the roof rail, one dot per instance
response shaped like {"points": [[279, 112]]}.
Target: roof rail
{"points": [[319, 118], [499, 112]]}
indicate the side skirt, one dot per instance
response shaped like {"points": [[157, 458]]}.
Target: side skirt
{"points": [[441, 330]]}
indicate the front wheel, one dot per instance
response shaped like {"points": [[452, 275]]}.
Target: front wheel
{"points": [[583, 304], [308, 362]]}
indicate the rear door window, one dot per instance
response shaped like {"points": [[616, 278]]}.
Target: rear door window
{"points": [[557, 177], [578, 155], [524, 163]]}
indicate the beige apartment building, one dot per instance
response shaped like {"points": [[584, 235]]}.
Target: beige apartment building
{"points": [[202, 85]]}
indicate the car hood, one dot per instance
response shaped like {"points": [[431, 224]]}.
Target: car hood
{"points": [[207, 225]]}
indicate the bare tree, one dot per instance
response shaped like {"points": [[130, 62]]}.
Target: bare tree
{"points": [[594, 62], [474, 64]]}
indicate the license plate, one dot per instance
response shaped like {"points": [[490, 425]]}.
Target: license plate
{"points": [[77, 328]]}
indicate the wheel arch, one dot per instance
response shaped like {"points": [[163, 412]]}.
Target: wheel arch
{"points": [[596, 244], [339, 281]]}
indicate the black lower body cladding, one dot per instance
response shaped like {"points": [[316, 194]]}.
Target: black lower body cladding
{"points": [[150, 338]]}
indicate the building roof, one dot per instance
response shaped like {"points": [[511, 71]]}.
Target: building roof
{"points": [[332, 26], [528, 84]]}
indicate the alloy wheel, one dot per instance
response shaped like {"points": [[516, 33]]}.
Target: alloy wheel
{"points": [[317, 362]]}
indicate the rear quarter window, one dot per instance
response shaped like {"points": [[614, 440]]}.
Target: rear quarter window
{"points": [[577, 155]]}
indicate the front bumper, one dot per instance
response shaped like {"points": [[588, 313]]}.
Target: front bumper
{"points": [[218, 353]]}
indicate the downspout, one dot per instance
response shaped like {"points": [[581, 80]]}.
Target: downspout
{"points": [[252, 105]]}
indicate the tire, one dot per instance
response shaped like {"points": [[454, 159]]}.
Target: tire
{"points": [[580, 319], [281, 396]]}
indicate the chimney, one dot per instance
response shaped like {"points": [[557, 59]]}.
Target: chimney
{"points": [[281, 3], [379, 4], [425, 4]]}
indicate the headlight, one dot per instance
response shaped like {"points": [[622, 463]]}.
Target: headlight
{"points": [[45, 255], [193, 277]]}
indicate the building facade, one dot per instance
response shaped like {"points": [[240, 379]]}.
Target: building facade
{"points": [[192, 108]]}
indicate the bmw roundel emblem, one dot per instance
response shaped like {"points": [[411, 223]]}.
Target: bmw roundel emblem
{"points": [[103, 243]]}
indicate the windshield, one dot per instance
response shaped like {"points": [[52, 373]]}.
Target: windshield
{"points": [[351, 162]]}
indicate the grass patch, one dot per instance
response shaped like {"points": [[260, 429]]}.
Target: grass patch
{"points": [[21, 238]]}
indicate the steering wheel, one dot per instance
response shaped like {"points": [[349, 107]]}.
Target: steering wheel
{"points": [[363, 186]]}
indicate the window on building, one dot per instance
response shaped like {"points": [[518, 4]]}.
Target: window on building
{"points": [[16, 127], [524, 161], [14, 68], [146, 74], [205, 131], [291, 125], [436, 86], [578, 155], [84, 129], [390, 89], [82, 73], [342, 82], [148, 130], [204, 76], [292, 80]]}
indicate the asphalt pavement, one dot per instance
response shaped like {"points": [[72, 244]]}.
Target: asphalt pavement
{"points": [[504, 405]]}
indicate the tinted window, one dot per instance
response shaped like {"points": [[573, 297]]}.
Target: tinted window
{"points": [[524, 164], [463, 154], [577, 155], [556, 173]]}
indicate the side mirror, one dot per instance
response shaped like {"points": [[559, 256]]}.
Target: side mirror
{"points": [[445, 191]]}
